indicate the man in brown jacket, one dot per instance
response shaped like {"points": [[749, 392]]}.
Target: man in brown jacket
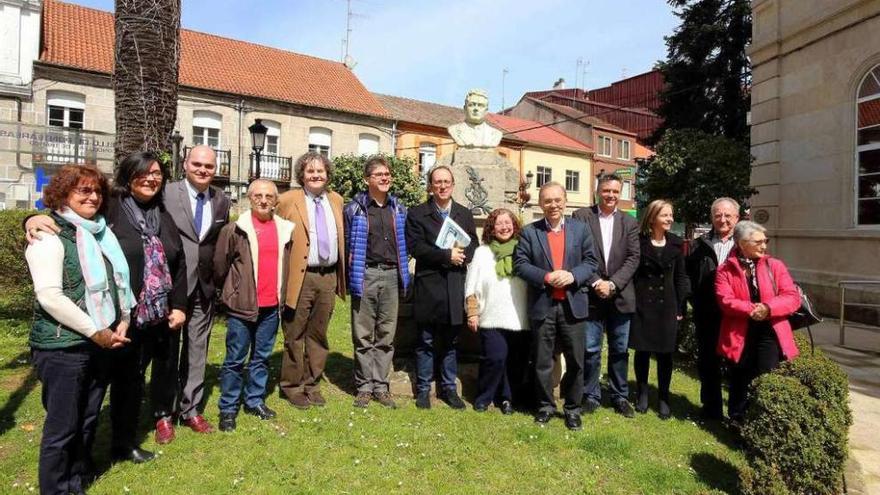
{"points": [[316, 276], [250, 264]]}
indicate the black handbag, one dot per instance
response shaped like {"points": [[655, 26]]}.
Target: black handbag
{"points": [[803, 317]]}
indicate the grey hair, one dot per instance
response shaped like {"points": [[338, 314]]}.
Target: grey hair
{"points": [[476, 92], [745, 229], [261, 181], [548, 185], [732, 202]]}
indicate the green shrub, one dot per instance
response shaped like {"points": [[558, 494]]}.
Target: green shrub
{"points": [[795, 431], [16, 290], [348, 178]]}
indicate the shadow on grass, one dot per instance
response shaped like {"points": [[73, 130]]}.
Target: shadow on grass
{"points": [[716, 473], [339, 371], [16, 398]]}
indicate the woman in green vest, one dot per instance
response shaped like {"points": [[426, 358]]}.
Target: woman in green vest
{"points": [[83, 303]]}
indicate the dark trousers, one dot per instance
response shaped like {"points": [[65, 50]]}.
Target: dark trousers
{"points": [[709, 366], [195, 335], [305, 335], [616, 325], [761, 354], [161, 345], [559, 326], [642, 363], [504, 367], [72, 394], [437, 341]]}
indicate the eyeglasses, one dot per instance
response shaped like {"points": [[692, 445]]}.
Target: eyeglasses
{"points": [[155, 175], [380, 175], [87, 191], [758, 242]]}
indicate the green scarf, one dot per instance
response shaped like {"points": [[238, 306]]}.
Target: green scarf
{"points": [[503, 257]]}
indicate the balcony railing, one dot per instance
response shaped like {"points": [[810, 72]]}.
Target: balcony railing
{"points": [[272, 167], [224, 162]]}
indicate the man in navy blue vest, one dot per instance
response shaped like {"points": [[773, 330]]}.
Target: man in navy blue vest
{"points": [[375, 243], [555, 257]]}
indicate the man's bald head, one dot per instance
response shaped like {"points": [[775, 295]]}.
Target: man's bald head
{"points": [[200, 166]]}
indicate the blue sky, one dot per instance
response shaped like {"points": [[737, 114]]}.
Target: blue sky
{"points": [[436, 50]]}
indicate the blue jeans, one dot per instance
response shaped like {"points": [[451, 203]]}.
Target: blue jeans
{"points": [[617, 327], [243, 337], [440, 340]]}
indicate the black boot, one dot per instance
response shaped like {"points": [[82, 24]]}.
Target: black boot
{"points": [[642, 397]]}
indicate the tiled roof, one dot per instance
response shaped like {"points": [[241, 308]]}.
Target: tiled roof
{"points": [[575, 114], [83, 38], [420, 112], [536, 132]]}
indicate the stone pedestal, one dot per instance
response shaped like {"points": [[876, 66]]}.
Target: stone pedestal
{"points": [[483, 180]]}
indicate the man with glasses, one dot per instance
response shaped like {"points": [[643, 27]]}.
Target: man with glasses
{"points": [[438, 289], [709, 251], [375, 223], [200, 211]]}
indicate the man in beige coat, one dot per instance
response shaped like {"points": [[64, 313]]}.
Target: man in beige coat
{"points": [[316, 276]]}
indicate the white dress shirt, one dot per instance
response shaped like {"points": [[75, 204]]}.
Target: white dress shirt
{"points": [[606, 226], [314, 259], [722, 248], [207, 213]]}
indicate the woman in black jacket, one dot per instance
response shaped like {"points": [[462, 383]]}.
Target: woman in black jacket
{"points": [[661, 286]]}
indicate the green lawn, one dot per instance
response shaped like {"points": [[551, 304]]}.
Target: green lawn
{"points": [[338, 449]]}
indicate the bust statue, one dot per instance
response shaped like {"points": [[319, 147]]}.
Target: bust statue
{"points": [[475, 132]]}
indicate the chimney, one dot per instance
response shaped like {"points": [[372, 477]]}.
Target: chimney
{"points": [[559, 84]]}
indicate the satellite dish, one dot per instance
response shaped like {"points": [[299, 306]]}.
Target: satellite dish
{"points": [[349, 62]]}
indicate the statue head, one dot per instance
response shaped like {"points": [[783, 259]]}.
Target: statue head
{"points": [[476, 104]]}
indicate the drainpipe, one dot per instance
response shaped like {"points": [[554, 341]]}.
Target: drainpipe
{"points": [[394, 138]]}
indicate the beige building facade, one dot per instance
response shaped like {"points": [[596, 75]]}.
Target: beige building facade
{"points": [[815, 137]]}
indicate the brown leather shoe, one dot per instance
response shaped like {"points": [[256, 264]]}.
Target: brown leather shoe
{"points": [[385, 399], [316, 398], [198, 424], [164, 431], [299, 400], [363, 399]]}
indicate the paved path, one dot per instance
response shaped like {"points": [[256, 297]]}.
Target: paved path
{"points": [[860, 359]]}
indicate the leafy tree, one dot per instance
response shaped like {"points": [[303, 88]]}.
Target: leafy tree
{"points": [[348, 178], [707, 71], [147, 56], [691, 169]]}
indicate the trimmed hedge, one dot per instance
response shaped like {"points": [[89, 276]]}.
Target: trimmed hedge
{"points": [[16, 290], [796, 428]]}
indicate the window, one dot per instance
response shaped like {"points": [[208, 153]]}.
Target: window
{"points": [[427, 157], [603, 146], [273, 137], [206, 128], [543, 176], [65, 109], [626, 191], [319, 140], [572, 181], [868, 150], [368, 144], [623, 149]]}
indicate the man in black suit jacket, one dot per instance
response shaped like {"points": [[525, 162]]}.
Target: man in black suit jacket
{"points": [[438, 289], [199, 210], [555, 257], [616, 242]]}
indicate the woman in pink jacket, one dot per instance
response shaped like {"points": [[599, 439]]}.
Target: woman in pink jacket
{"points": [[756, 295]]}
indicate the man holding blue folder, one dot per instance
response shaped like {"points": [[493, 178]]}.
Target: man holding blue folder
{"points": [[438, 290]]}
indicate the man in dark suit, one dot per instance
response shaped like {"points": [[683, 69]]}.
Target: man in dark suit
{"points": [[438, 291], [199, 210], [555, 257], [612, 301]]}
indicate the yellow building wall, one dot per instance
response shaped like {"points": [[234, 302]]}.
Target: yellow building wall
{"points": [[409, 141], [559, 161]]}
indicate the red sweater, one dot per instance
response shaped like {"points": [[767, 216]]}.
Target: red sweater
{"points": [[267, 271], [556, 240]]}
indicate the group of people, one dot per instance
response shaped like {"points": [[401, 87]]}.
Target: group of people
{"points": [[129, 276]]}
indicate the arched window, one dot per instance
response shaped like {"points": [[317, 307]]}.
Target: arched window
{"points": [[868, 150], [368, 144], [65, 109], [427, 157], [320, 139], [206, 128]]}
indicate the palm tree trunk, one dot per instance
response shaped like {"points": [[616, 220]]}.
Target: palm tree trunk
{"points": [[147, 56]]}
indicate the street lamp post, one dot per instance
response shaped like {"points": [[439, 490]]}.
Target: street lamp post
{"points": [[523, 197], [176, 139], [258, 138]]}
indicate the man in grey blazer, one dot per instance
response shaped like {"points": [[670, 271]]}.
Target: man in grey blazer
{"points": [[555, 258], [199, 210], [612, 297]]}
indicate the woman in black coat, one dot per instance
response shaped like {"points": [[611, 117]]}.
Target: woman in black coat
{"points": [[661, 286]]}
